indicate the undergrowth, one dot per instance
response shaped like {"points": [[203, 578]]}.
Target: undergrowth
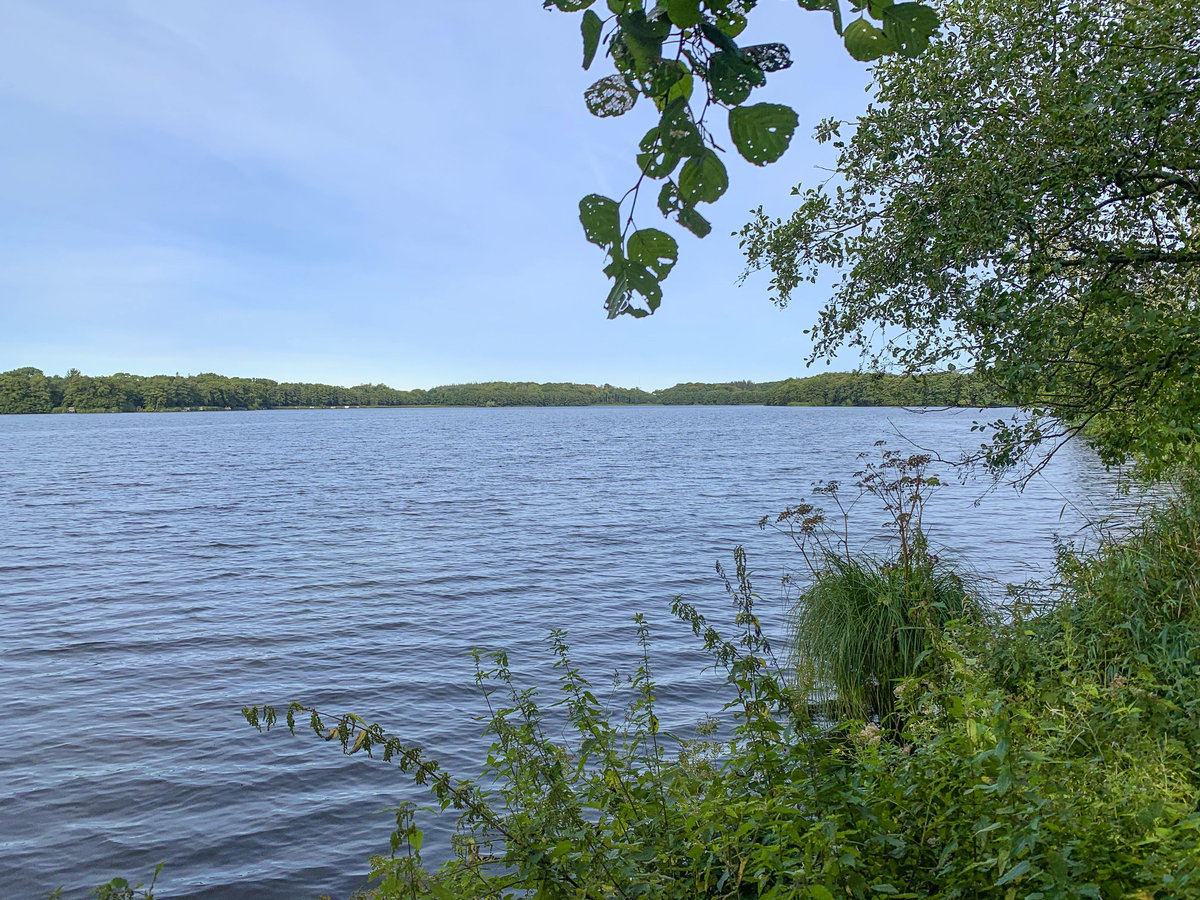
{"points": [[1036, 757], [1040, 756]]}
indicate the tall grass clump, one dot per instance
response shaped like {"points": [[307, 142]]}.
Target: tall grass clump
{"points": [[1136, 604], [864, 623]]}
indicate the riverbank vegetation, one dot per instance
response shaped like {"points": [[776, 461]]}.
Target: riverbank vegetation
{"points": [[29, 390], [1048, 750]]}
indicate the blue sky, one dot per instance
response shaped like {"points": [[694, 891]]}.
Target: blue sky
{"points": [[369, 192]]}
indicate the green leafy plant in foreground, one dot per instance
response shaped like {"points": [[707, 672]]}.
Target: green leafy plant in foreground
{"points": [[1037, 757], [120, 889]]}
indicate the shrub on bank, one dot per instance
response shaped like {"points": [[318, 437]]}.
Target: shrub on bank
{"points": [[1039, 756], [1042, 757]]}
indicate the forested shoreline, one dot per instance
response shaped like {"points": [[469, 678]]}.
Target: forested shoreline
{"points": [[29, 390]]}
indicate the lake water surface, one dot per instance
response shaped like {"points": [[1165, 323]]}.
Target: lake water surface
{"points": [[158, 572]]}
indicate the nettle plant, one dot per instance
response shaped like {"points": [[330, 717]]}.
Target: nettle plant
{"points": [[947, 758], [623, 810]]}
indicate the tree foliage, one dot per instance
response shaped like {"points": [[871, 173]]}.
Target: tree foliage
{"points": [[1025, 200], [28, 390], [683, 57]]}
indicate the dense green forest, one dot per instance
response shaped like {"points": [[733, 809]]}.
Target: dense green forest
{"points": [[29, 390]]}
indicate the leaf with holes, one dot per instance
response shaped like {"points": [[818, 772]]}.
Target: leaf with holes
{"points": [[668, 199], [677, 131], [618, 297], [610, 96], [656, 161], [762, 132], [732, 20], [703, 179], [654, 249], [601, 219], [910, 26], [865, 42], [645, 283], [732, 77], [769, 57]]}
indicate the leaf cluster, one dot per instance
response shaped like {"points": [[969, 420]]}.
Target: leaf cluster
{"points": [[683, 57]]}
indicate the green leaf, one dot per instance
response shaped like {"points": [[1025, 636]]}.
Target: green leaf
{"points": [[865, 42], [718, 37], [910, 26], [567, 5], [876, 7], [681, 89], [819, 892], [616, 262], [591, 27], [732, 77], [654, 249], [762, 132], [1014, 873], [663, 81], [694, 222], [610, 96], [643, 37], [684, 13], [601, 219], [703, 179]]}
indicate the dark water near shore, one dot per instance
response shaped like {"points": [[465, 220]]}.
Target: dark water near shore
{"points": [[158, 572]]}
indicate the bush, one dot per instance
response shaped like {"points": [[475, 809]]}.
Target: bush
{"points": [[1044, 758]]}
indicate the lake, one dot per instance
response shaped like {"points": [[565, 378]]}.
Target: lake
{"points": [[158, 572]]}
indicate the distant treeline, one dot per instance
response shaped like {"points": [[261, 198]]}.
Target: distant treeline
{"points": [[28, 390]]}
